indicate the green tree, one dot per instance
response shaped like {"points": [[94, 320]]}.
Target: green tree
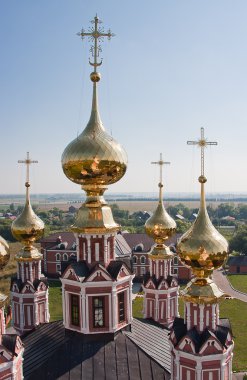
{"points": [[239, 241]]}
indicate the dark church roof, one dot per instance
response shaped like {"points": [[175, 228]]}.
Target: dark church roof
{"points": [[221, 332], [52, 353]]}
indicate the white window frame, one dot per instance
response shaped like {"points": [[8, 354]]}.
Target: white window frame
{"points": [[58, 256], [65, 255], [143, 260]]}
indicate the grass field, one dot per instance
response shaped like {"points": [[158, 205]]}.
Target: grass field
{"points": [[239, 282], [55, 300]]}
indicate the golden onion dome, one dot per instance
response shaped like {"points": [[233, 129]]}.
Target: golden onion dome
{"points": [[160, 226], [202, 247], [4, 253], [94, 158], [28, 227]]}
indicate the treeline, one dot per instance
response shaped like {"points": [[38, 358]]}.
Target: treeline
{"points": [[226, 214]]}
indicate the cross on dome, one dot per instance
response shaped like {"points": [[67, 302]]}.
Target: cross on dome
{"points": [[160, 163], [27, 162], [202, 143], [96, 34]]}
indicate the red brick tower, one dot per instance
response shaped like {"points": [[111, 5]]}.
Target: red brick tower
{"points": [[160, 288], [29, 289], [11, 346], [97, 288], [201, 343]]}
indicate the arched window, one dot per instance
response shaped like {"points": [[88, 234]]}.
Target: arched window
{"points": [[58, 256], [65, 257], [143, 260], [134, 259], [175, 260]]}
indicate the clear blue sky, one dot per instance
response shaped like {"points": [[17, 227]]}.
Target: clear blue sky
{"points": [[172, 67]]}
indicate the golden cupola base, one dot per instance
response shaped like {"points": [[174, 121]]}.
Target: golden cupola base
{"points": [[94, 159], [28, 227], [160, 226]]}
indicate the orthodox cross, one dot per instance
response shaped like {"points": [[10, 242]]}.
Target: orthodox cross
{"points": [[27, 162], [96, 34], [161, 163], [202, 143]]}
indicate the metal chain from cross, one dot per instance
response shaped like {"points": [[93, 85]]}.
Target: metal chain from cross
{"points": [[202, 143], [161, 163], [27, 162], [96, 34]]}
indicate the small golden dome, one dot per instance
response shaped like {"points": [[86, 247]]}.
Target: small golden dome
{"points": [[4, 253], [94, 158], [160, 226], [28, 227], [202, 247]]}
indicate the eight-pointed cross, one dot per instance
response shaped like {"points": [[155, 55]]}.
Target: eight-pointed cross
{"points": [[202, 143]]}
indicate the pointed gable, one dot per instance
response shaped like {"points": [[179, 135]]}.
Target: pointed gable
{"points": [[150, 284], [118, 269], [99, 273], [163, 285], [211, 345], [187, 345], [77, 271], [28, 288]]}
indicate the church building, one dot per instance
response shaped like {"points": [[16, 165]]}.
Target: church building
{"points": [[98, 338]]}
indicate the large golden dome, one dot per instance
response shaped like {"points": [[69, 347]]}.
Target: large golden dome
{"points": [[28, 227], [94, 158], [202, 247]]}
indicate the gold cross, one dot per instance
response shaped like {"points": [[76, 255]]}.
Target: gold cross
{"points": [[96, 34], [28, 162], [202, 143], [161, 163]]}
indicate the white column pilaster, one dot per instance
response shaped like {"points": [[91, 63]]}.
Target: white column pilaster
{"points": [[31, 271], [129, 304], [114, 308], [176, 304], [188, 315], [83, 309], [89, 259], [198, 371], [168, 311], [21, 314], [22, 271], [47, 314], [201, 323], [39, 269], [36, 316], [150, 267], [106, 251], [214, 316], [223, 367]]}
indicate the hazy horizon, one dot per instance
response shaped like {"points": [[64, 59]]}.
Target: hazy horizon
{"points": [[171, 69]]}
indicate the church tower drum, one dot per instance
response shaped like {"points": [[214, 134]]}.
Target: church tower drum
{"points": [[29, 289], [160, 288], [97, 288], [201, 343], [11, 346]]}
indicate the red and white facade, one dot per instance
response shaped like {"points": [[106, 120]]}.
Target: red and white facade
{"points": [[29, 296], [161, 293], [97, 289], [11, 349], [201, 345]]}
